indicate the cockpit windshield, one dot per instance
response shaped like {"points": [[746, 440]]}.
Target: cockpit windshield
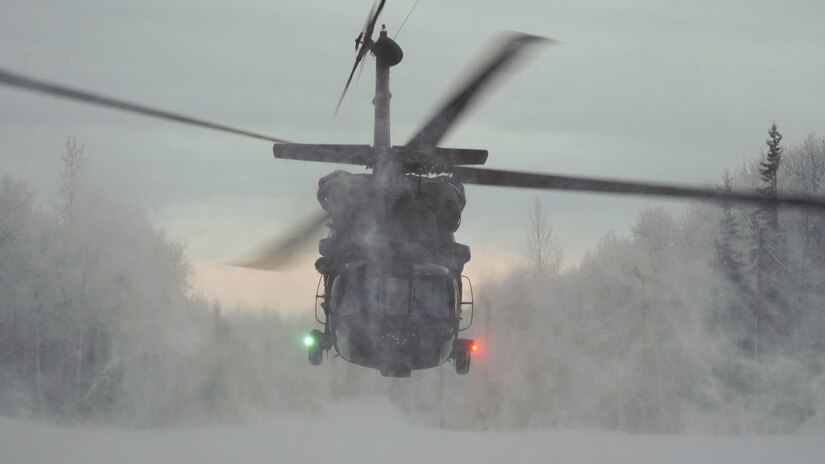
{"points": [[418, 290]]}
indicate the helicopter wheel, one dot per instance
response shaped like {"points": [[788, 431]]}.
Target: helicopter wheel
{"points": [[316, 349], [316, 355], [462, 362]]}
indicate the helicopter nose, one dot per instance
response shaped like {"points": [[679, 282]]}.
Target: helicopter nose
{"points": [[396, 332], [396, 338], [392, 334]]}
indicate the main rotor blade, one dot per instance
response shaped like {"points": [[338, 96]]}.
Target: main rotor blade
{"points": [[584, 184], [445, 118], [277, 252], [366, 43], [361, 53], [370, 26], [57, 90]]}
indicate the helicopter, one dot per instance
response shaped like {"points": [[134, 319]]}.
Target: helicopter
{"points": [[393, 294]]}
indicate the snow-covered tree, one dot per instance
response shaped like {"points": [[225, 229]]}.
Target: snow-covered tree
{"points": [[729, 257], [71, 178], [545, 254]]}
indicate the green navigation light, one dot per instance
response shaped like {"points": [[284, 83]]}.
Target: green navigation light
{"points": [[309, 341]]}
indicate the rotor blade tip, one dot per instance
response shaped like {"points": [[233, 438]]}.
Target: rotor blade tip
{"points": [[538, 39]]}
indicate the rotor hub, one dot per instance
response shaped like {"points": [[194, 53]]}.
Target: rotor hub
{"points": [[386, 51]]}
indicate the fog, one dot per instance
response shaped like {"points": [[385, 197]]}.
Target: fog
{"points": [[685, 324], [375, 432]]}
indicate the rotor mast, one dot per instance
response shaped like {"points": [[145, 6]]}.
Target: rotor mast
{"points": [[387, 54], [381, 138]]}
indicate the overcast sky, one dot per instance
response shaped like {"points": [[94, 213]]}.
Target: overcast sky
{"points": [[654, 90]]}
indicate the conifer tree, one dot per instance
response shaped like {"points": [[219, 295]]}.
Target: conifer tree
{"points": [[729, 258], [70, 178], [769, 170], [770, 312], [545, 255]]}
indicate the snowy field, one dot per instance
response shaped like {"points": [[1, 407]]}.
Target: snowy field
{"points": [[379, 433]]}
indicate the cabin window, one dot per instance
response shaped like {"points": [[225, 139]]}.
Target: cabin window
{"points": [[395, 297], [423, 295], [375, 295], [431, 297]]}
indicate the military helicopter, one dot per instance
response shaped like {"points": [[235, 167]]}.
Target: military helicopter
{"points": [[393, 293]]}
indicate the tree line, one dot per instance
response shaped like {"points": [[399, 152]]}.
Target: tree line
{"points": [[97, 320], [709, 321]]}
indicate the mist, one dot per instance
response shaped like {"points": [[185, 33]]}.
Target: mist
{"points": [[707, 322]]}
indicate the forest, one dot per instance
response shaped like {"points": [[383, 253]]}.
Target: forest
{"points": [[710, 321]]}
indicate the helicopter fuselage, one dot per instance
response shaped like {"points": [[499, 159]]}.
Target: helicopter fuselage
{"points": [[396, 319], [392, 270]]}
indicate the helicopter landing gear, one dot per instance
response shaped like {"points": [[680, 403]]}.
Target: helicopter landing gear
{"points": [[317, 342], [461, 355], [316, 355], [462, 362]]}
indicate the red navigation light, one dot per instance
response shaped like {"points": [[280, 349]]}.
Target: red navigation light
{"points": [[474, 347]]}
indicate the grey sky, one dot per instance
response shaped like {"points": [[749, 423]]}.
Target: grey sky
{"points": [[656, 90]]}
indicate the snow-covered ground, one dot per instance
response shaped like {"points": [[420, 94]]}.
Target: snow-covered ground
{"points": [[357, 433]]}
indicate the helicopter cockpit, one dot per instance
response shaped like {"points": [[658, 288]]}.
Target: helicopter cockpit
{"points": [[416, 290], [403, 317]]}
